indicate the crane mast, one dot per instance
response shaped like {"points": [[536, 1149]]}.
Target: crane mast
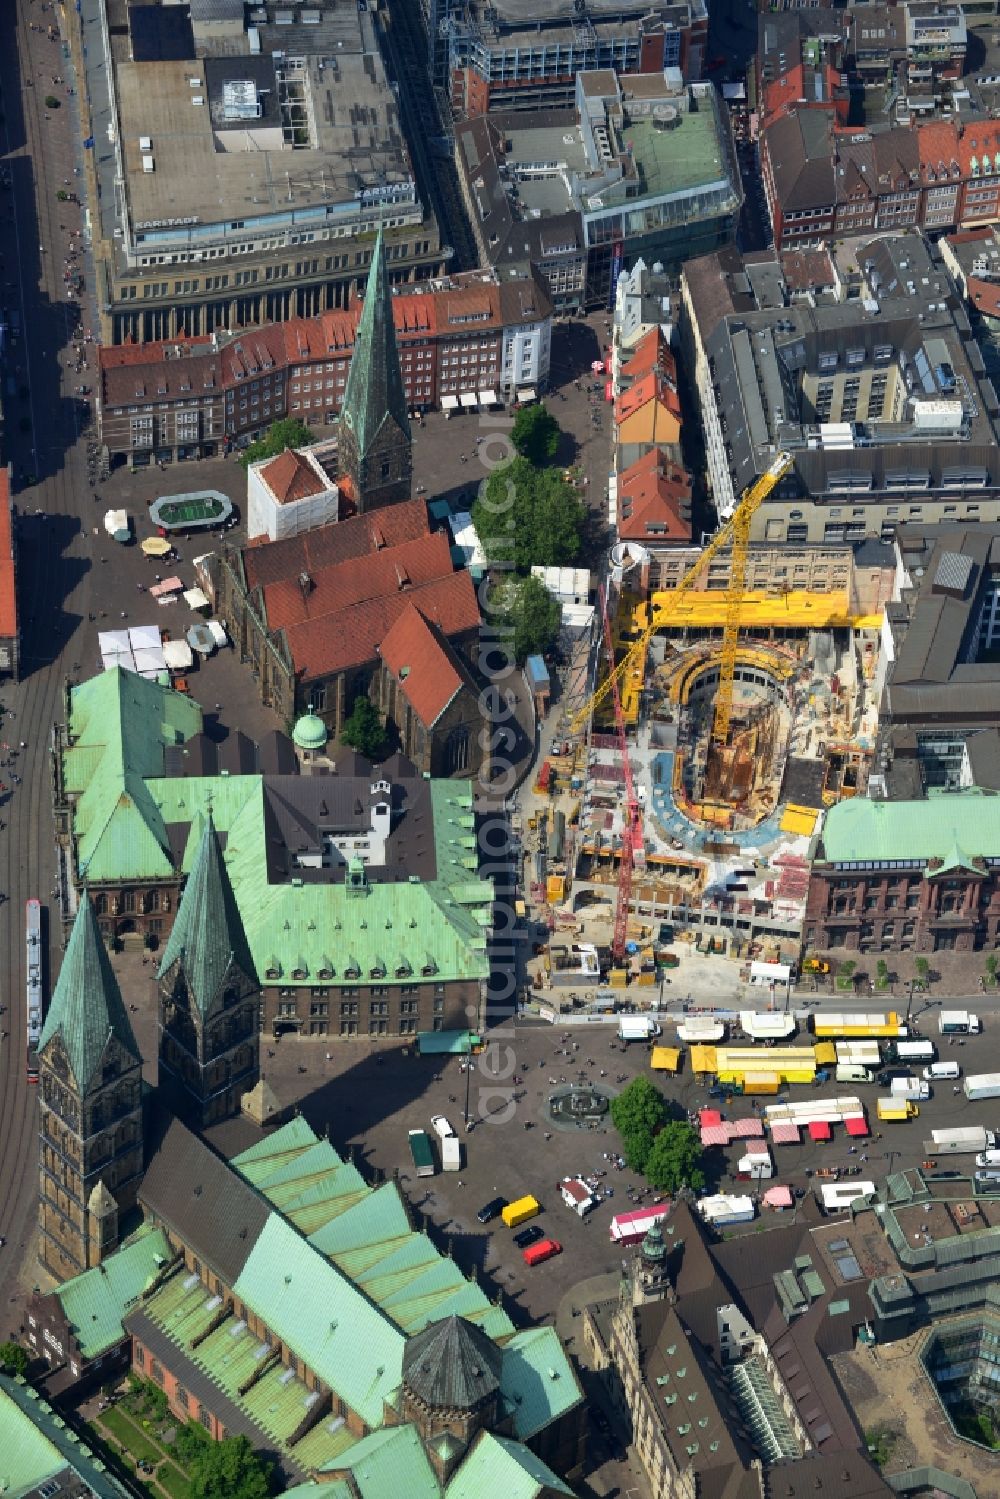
{"points": [[632, 830]]}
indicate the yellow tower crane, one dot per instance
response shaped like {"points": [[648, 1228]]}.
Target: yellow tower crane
{"points": [[736, 531]]}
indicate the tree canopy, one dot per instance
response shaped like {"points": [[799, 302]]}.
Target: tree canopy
{"points": [[287, 433], [530, 517], [674, 1159], [534, 615], [363, 729], [535, 434], [13, 1359], [637, 1113], [230, 1469]]}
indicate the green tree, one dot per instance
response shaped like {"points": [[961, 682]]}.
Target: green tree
{"points": [[991, 968], [535, 434], [675, 1158], [230, 1469], [363, 730], [923, 969], [637, 1113], [535, 616], [529, 517], [288, 433], [13, 1359], [882, 970]]}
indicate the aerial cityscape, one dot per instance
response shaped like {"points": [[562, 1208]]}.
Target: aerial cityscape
{"points": [[500, 749]]}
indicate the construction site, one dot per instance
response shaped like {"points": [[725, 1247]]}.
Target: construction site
{"points": [[671, 821]]}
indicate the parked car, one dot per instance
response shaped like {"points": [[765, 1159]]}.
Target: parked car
{"points": [[529, 1235], [491, 1209]]}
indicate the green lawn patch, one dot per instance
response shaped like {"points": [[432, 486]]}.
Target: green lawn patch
{"points": [[135, 1442], [172, 1480]]}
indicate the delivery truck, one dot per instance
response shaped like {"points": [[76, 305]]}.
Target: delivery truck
{"points": [[982, 1085], [958, 1023], [451, 1153], [897, 1109], [988, 1158], [970, 1140], [910, 1052], [516, 1213], [910, 1087], [421, 1153], [637, 1028]]}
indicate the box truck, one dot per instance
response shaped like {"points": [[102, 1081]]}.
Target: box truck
{"points": [[988, 1158], [958, 1023], [910, 1051], [637, 1028], [516, 1213], [910, 1087], [421, 1153], [451, 1153], [969, 1140], [897, 1108], [982, 1085]]}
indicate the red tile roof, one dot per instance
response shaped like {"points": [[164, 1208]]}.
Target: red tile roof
{"points": [[291, 477], [337, 589], [423, 664], [984, 295], [350, 637], [650, 387], [8, 590], [651, 353], [274, 561], [653, 492]]}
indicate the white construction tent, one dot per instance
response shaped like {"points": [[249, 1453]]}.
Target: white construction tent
{"points": [[138, 649]]}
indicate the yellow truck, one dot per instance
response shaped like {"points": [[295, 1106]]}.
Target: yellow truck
{"points": [[516, 1213], [897, 1108]]}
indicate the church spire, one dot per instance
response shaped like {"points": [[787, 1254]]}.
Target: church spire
{"points": [[374, 435], [207, 938], [87, 1008]]}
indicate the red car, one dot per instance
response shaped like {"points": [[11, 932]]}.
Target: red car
{"points": [[536, 1253]]}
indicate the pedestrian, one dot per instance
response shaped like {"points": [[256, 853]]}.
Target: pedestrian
{"points": [[329, 1056]]}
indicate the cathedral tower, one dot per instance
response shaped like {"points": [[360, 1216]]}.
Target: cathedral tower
{"points": [[208, 997], [90, 1093]]}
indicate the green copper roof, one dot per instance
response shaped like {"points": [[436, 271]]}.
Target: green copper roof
{"points": [[207, 938], [119, 726], [537, 1380], [36, 1444], [374, 393], [496, 1465], [323, 1318], [95, 1302], [87, 1008], [389, 1463], [953, 826], [310, 732], [365, 1232]]}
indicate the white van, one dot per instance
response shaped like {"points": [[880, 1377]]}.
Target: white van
{"points": [[938, 1071], [988, 1158]]}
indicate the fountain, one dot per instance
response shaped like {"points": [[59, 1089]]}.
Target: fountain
{"points": [[578, 1106]]}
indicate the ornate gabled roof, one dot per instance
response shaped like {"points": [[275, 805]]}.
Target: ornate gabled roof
{"points": [[207, 938], [374, 393], [452, 1364], [87, 1009]]}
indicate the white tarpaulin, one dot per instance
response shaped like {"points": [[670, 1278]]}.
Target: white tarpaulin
{"points": [[195, 598], [218, 632], [115, 521], [449, 403], [468, 400], [177, 654], [488, 398], [138, 649]]}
